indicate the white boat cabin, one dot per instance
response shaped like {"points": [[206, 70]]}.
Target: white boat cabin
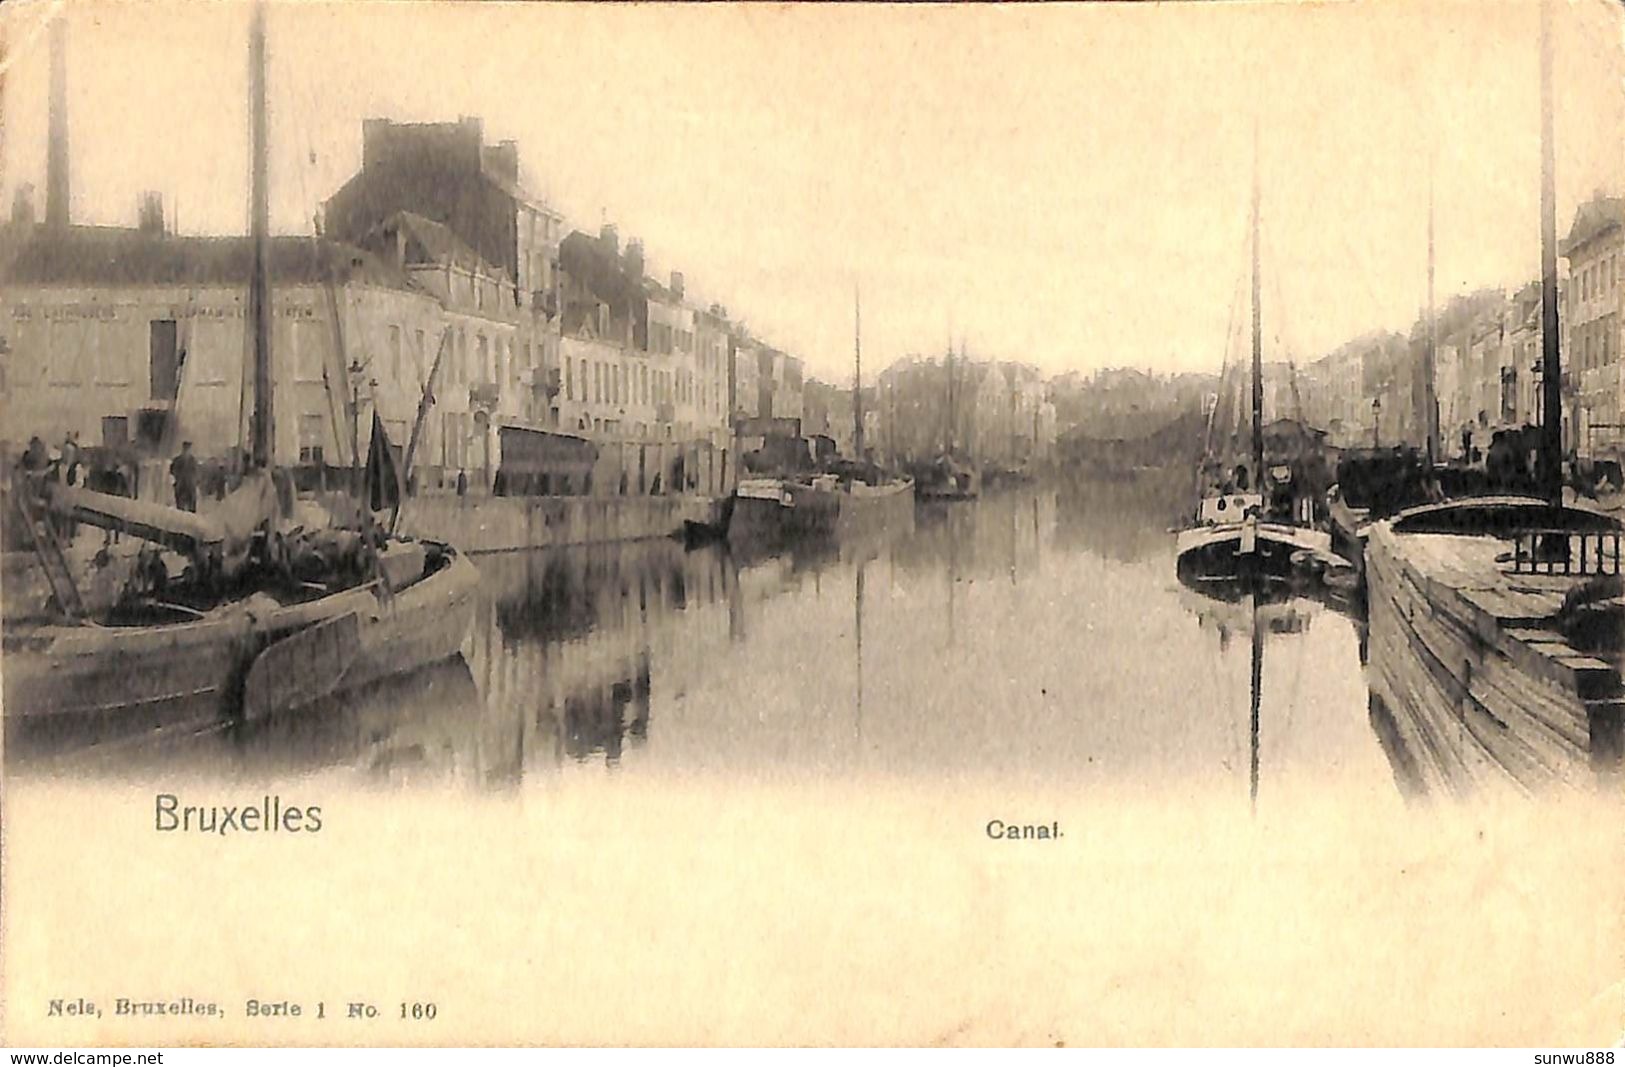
{"points": [[1223, 508]]}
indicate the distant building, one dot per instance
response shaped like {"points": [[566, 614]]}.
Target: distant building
{"points": [[1592, 327]]}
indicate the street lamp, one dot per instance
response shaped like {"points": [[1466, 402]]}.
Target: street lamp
{"points": [[356, 371]]}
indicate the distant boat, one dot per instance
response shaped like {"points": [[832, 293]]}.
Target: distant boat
{"points": [[852, 498], [948, 479], [781, 512]]}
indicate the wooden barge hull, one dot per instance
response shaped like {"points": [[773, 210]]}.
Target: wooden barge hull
{"points": [[809, 514], [1467, 664], [89, 684]]}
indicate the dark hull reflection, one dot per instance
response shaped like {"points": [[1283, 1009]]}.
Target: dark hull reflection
{"points": [[428, 725]]}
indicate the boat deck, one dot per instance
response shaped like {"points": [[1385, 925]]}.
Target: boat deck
{"points": [[1479, 666]]}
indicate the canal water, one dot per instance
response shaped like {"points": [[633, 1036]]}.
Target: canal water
{"points": [[1035, 636]]}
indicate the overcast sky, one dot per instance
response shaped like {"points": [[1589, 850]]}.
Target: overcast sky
{"points": [[1063, 185]]}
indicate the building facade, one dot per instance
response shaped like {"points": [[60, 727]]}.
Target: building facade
{"points": [[1594, 323], [137, 340]]}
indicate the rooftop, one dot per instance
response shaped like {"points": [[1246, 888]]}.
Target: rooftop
{"points": [[1592, 219], [110, 256]]}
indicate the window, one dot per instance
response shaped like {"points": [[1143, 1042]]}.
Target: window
{"points": [[569, 383], [417, 357], [163, 356], [482, 358], [597, 382], [395, 353], [312, 438], [115, 431]]}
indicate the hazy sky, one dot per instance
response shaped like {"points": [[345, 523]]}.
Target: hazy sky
{"points": [[1066, 185]]}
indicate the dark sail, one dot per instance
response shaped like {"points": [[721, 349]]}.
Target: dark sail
{"points": [[382, 477]]}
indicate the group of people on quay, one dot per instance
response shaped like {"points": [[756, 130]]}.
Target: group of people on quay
{"points": [[105, 470]]}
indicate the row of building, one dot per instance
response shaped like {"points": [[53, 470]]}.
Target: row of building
{"points": [[1488, 361], [430, 262], [433, 262]]}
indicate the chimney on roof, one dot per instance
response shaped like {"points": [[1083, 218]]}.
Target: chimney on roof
{"points": [[677, 284], [373, 132], [150, 214], [634, 258], [610, 240], [22, 205], [502, 159], [56, 157]]}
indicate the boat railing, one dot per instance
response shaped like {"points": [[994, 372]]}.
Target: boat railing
{"points": [[1549, 550]]}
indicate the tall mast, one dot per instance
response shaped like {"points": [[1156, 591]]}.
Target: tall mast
{"points": [[1258, 340], [1551, 445], [1430, 354], [857, 373], [948, 426], [259, 297]]}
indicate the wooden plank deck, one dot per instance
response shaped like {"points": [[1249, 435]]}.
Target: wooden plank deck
{"points": [[1470, 663]]}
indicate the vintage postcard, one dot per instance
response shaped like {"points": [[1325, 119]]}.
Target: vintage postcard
{"points": [[798, 524]]}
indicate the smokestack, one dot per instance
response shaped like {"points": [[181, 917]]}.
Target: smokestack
{"points": [[677, 284], [634, 258], [22, 205], [56, 159], [150, 214]]}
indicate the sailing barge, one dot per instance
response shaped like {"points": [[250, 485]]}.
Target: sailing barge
{"points": [[1238, 537], [207, 649], [264, 617]]}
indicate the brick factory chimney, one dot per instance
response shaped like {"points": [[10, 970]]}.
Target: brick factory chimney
{"points": [[610, 240], [22, 205], [634, 258], [57, 187], [677, 284], [150, 214]]}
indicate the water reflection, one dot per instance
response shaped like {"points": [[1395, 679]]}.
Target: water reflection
{"points": [[1034, 634]]}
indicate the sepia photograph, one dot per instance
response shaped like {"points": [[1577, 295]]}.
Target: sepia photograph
{"points": [[788, 524]]}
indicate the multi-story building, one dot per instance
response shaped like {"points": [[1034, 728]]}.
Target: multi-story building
{"points": [[1594, 323], [136, 339], [445, 172], [1333, 398], [453, 205], [713, 359], [768, 383]]}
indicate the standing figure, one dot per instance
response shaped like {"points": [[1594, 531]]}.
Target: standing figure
{"points": [[184, 470]]}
